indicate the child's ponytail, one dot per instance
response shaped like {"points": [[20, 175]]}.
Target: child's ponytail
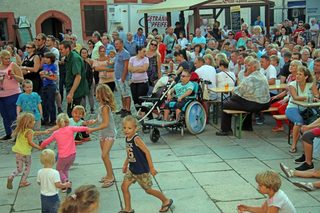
{"points": [[62, 120], [85, 199]]}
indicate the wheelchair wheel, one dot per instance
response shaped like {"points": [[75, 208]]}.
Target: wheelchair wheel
{"points": [[195, 117], [154, 135]]}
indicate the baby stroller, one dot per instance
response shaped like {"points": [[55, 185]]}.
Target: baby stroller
{"points": [[193, 115]]}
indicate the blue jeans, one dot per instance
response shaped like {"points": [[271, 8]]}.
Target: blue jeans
{"points": [[8, 111], [293, 114], [48, 100], [50, 204]]}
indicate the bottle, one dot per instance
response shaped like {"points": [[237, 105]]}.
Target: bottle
{"points": [[310, 96]]}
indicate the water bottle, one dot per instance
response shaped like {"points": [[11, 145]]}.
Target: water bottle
{"points": [[310, 96]]}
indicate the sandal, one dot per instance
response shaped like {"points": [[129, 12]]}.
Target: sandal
{"points": [[165, 208], [102, 179], [24, 184], [124, 211], [107, 183], [9, 183], [293, 150]]}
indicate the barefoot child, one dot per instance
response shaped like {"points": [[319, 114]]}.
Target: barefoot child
{"points": [[269, 183], [140, 167], [49, 181], [107, 129], [23, 147], [64, 138]]}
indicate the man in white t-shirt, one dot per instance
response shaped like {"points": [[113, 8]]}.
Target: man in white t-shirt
{"points": [[207, 73], [268, 70]]}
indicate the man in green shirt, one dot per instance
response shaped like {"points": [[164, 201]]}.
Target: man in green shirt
{"points": [[76, 83]]}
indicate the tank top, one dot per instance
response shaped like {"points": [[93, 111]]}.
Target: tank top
{"points": [[138, 163], [22, 146], [110, 131], [8, 85], [34, 77]]}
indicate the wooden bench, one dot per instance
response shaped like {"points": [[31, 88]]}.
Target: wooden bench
{"points": [[240, 116], [271, 109], [283, 118], [215, 110]]}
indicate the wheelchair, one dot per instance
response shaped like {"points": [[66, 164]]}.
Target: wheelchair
{"points": [[192, 117]]}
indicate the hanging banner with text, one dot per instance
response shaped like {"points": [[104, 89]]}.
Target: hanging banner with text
{"points": [[235, 18]]}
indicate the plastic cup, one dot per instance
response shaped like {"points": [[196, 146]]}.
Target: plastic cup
{"points": [[278, 82], [226, 86]]}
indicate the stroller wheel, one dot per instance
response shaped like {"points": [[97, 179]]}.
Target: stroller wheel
{"points": [[154, 135], [145, 129]]}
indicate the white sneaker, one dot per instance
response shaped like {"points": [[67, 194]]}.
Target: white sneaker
{"points": [[306, 186], [288, 172]]}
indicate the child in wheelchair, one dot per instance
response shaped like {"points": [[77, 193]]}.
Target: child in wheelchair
{"points": [[183, 89]]}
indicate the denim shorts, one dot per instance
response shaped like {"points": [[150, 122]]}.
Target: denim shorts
{"points": [[123, 88], [293, 114], [50, 204]]}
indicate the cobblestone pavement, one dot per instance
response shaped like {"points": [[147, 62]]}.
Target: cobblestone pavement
{"points": [[202, 173]]}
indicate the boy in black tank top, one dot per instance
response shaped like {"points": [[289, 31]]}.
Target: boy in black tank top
{"points": [[140, 167]]}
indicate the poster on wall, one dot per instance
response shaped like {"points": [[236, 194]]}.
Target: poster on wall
{"points": [[235, 18]]}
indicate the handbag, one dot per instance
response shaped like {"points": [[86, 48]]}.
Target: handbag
{"points": [[310, 114]]}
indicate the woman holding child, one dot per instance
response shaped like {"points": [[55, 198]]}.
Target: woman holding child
{"points": [[106, 74]]}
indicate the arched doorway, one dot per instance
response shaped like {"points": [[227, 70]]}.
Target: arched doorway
{"points": [[52, 26], [53, 22]]}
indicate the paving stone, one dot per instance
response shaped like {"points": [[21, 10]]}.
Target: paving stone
{"points": [[191, 200], [176, 180], [191, 150], [5, 209], [267, 152], [232, 152], [226, 186]]}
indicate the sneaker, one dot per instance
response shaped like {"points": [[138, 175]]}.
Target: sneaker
{"points": [[86, 139], [306, 186], [223, 133], [6, 137], [120, 112], [259, 121], [305, 167], [288, 172], [69, 190], [125, 113], [60, 110], [302, 159]]}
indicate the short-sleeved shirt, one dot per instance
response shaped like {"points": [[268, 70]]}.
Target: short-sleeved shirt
{"points": [[49, 69], [75, 66], [47, 178], [95, 51], [29, 103], [121, 57], [181, 89], [142, 76], [140, 40], [199, 40], [169, 41], [281, 200], [131, 47], [254, 88]]}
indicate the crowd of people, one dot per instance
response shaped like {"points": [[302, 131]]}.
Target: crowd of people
{"points": [[49, 71]]}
